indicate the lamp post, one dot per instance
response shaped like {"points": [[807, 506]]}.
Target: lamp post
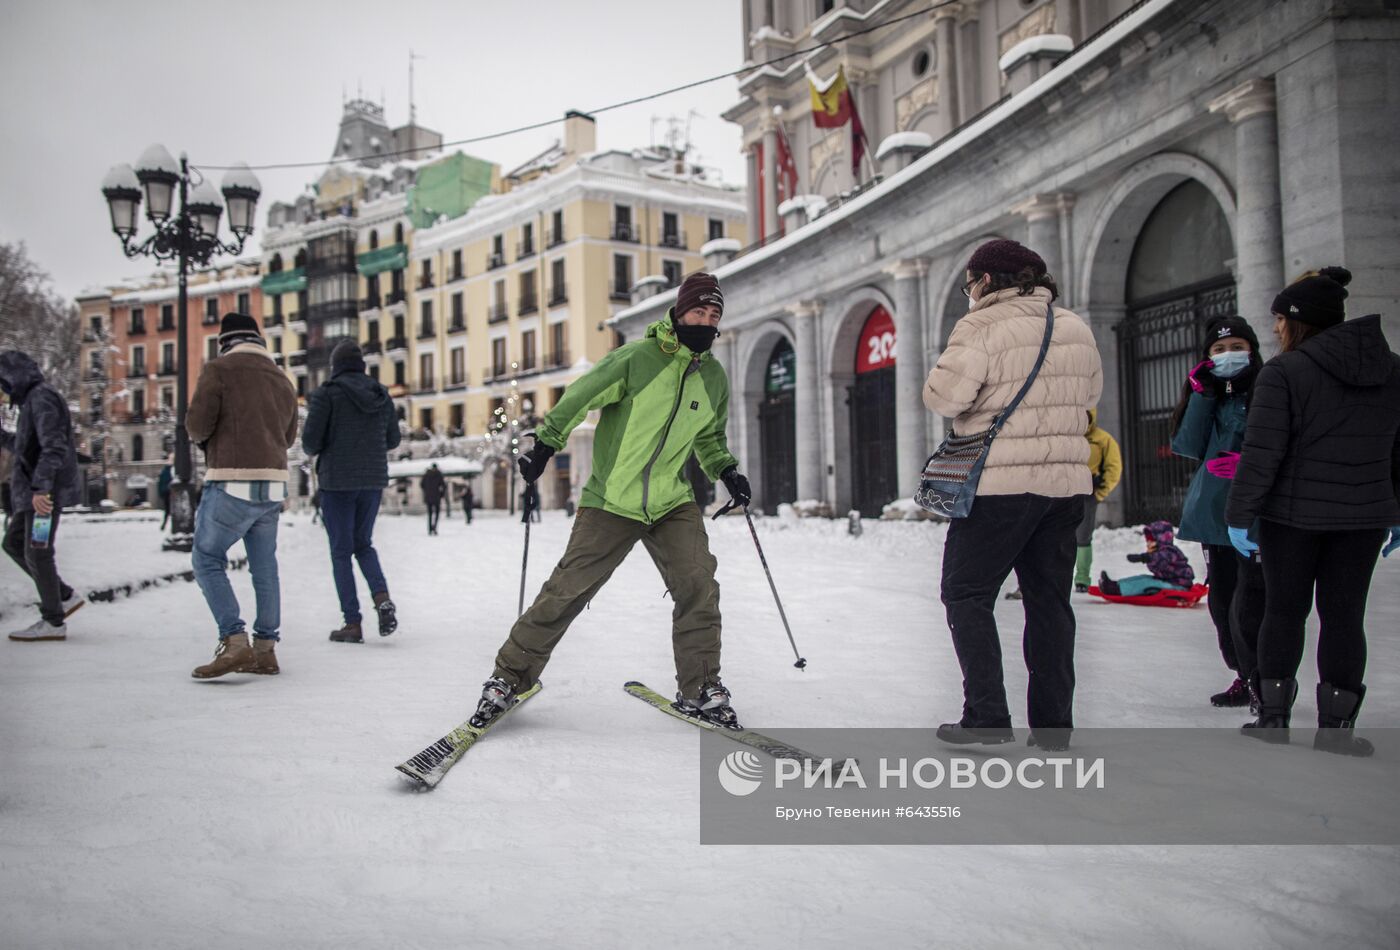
{"points": [[188, 234]]}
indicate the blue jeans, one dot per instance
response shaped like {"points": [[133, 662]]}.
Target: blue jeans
{"points": [[349, 518], [220, 523]]}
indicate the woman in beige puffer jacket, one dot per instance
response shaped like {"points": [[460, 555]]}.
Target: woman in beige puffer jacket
{"points": [[1030, 498]]}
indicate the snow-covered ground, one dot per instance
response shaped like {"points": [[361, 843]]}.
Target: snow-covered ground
{"points": [[142, 808]]}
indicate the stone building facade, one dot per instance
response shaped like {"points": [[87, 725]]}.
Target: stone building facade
{"points": [[1172, 160]]}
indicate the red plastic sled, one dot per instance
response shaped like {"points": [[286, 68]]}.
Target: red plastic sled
{"points": [[1163, 598]]}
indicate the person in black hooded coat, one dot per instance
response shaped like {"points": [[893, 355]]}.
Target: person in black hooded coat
{"points": [[350, 428], [44, 479], [1320, 469]]}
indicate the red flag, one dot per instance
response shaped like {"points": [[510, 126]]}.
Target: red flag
{"points": [[787, 168], [858, 142], [831, 102]]}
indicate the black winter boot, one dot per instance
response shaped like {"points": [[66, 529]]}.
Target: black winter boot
{"points": [[1336, 716], [958, 734], [1275, 708]]}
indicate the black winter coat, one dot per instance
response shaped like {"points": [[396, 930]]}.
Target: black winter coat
{"points": [[350, 428], [433, 486], [1322, 448], [45, 459]]}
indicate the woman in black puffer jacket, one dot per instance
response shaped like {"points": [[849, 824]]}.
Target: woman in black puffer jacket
{"points": [[1321, 470]]}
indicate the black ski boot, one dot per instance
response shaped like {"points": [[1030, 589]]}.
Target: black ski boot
{"points": [[712, 706], [958, 734], [1275, 708], [1050, 740], [1236, 695], [388, 618], [1108, 585], [496, 697], [1336, 716]]}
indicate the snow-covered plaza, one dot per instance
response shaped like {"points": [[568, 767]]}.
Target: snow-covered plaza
{"points": [[142, 808]]}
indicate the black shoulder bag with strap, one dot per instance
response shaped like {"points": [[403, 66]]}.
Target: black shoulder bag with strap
{"points": [[948, 486]]}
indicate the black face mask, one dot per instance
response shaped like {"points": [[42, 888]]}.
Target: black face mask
{"points": [[697, 339]]}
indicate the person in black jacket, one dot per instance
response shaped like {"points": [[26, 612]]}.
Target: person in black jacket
{"points": [[350, 428], [1320, 470], [433, 487], [43, 480]]}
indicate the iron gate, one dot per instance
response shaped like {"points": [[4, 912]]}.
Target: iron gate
{"points": [[875, 474], [1158, 344], [777, 420]]}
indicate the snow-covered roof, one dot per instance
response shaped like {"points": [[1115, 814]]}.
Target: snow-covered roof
{"points": [[812, 204], [158, 294], [901, 140], [1034, 46], [987, 124], [720, 246], [544, 161]]}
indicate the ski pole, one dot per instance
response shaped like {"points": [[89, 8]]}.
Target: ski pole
{"points": [[525, 560], [801, 663]]}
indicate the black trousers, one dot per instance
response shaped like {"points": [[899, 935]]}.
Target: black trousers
{"points": [[1034, 536], [1338, 565], [38, 563], [1236, 603], [434, 512]]}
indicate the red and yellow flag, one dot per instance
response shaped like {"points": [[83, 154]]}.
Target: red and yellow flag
{"points": [[831, 107]]}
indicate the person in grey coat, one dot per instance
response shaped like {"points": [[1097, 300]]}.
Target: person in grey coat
{"points": [[350, 427], [44, 479]]}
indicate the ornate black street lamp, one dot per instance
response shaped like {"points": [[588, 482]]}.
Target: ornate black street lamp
{"points": [[189, 235]]}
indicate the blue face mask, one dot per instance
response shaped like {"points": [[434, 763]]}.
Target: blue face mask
{"points": [[1229, 365]]}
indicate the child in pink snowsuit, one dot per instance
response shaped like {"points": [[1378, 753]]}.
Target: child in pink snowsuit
{"points": [[1169, 567]]}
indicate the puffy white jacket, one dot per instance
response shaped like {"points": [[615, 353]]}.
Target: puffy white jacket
{"points": [[1042, 449]]}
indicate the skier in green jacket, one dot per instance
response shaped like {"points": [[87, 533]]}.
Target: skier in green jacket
{"points": [[662, 397]]}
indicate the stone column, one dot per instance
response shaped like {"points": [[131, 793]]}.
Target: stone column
{"points": [[810, 480], [945, 26], [910, 373], [967, 53], [770, 181], [1251, 109], [1044, 227]]}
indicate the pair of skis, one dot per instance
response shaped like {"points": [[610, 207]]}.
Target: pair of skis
{"points": [[427, 768]]}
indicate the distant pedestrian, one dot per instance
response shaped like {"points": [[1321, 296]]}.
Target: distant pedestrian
{"points": [[433, 488], [1030, 498], [1319, 475], [468, 501], [43, 480], [244, 415], [316, 507], [1208, 425], [350, 429], [167, 475], [401, 487]]}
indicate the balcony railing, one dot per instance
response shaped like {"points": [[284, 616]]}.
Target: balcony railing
{"points": [[527, 363], [297, 359], [371, 347], [557, 359], [426, 331], [425, 282], [524, 249], [210, 318], [369, 303], [166, 369], [529, 305], [457, 382], [619, 292], [296, 318], [495, 261], [393, 297], [136, 372], [272, 320], [95, 373], [166, 326], [458, 325], [458, 273], [558, 294], [136, 329], [425, 385], [554, 238], [498, 313], [624, 232], [94, 336], [396, 343], [674, 240]]}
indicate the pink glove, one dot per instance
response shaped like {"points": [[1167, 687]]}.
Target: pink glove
{"points": [[1224, 465], [1196, 385]]}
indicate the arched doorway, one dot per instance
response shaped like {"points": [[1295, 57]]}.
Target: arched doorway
{"points": [[874, 468], [777, 423], [1178, 280]]}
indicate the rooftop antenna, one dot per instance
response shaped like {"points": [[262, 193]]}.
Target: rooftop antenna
{"points": [[412, 109]]}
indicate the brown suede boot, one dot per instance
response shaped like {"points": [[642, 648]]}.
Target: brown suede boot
{"points": [[265, 657], [350, 633], [233, 655]]}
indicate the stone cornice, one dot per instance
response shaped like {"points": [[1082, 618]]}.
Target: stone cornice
{"points": [[1251, 97]]}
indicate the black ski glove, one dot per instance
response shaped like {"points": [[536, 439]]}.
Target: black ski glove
{"points": [[532, 463], [738, 486], [1138, 558]]}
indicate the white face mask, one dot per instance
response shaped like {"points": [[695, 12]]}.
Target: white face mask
{"points": [[1229, 365]]}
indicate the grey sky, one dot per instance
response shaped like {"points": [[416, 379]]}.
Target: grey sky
{"points": [[262, 82]]}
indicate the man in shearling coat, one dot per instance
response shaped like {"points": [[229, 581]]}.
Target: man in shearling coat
{"points": [[244, 416], [1031, 494]]}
